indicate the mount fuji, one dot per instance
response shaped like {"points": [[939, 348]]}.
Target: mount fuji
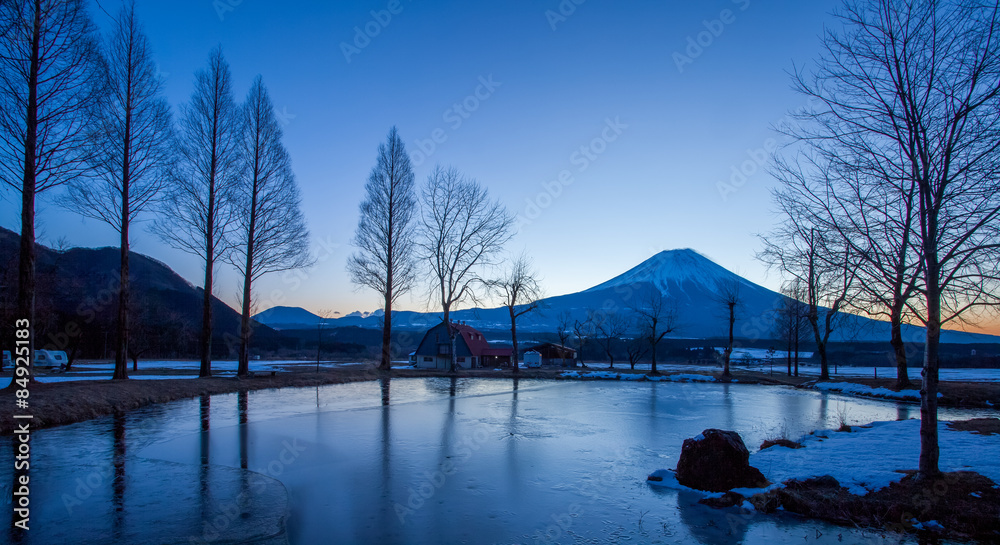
{"points": [[689, 282]]}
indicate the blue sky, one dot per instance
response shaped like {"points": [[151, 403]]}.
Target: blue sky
{"points": [[617, 98]]}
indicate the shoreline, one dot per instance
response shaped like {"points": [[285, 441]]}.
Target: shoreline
{"points": [[61, 403]]}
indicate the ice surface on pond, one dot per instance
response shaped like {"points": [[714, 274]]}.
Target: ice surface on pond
{"points": [[431, 460]]}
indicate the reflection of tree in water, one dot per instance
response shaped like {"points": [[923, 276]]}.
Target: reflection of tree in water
{"points": [[384, 384], [711, 526], [386, 511], [447, 386], [205, 405], [118, 484], [242, 404]]}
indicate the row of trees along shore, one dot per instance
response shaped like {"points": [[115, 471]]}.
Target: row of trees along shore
{"points": [[86, 114], [890, 184]]}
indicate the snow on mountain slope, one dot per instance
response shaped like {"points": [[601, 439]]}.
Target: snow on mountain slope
{"points": [[671, 268]]}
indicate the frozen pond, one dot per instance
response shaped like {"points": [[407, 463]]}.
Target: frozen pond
{"points": [[417, 461]]}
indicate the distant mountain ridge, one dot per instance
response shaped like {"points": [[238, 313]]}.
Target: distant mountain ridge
{"points": [[690, 282], [79, 286]]}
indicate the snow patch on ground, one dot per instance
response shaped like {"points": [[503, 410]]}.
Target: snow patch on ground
{"points": [[863, 390], [610, 375], [870, 457], [682, 377]]}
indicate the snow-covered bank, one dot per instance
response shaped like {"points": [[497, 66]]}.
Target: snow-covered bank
{"points": [[609, 375], [866, 459], [868, 391], [946, 375], [870, 457]]}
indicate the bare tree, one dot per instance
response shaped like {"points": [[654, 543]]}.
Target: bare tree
{"points": [[49, 84], [324, 316], [852, 183], [635, 349], [519, 292], [270, 233], [462, 230], [385, 261], [583, 330], [919, 80], [564, 324], [197, 210], [729, 297], [656, 319], [612, 327], [133, 153], [788, 325], [820, 264]]}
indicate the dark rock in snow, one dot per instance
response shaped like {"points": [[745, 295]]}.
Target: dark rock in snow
{"points": [[717, 461]]}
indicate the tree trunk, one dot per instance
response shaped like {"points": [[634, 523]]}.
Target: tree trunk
{"points": [[121, 350], [729, 348], [652, 368], [798, 335], [243, 369], [899, 349], [788, 354], [386, 362], [206, 306], [26, 256], [929, 450], [451, 338], [121, 353], [824, 366]]}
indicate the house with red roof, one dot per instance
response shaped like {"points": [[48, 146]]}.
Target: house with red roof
{"points": [[472, 350]]}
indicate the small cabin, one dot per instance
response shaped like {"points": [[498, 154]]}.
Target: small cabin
{"points": [[472, 350], [6, 359], [552, 354]]}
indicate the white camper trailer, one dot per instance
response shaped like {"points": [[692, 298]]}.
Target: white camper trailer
{"points": [[54, 358], [532, 359]]}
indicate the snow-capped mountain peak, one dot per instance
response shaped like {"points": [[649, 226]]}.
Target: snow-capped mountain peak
{"points": [[672, 269]]}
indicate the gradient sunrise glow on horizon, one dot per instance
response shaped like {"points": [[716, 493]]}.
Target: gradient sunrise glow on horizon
{"points": [[661, 113]]}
